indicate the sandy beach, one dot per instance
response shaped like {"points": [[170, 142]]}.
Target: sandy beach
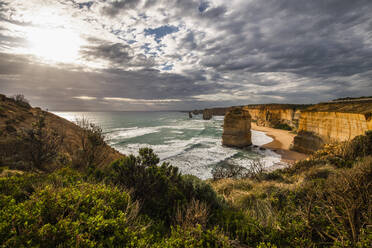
{"points": [[281, 143]]}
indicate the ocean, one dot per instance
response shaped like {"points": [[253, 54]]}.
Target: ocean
{"points": [[193, 145]]}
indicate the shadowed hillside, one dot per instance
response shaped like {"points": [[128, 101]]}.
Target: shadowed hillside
{"points": [[17, 118]]}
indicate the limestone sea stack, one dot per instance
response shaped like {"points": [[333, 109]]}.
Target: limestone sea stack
{"points": [[207, 114], [237, 128]]}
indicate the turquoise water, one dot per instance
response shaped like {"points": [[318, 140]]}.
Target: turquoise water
{"points": [[193, 145]]}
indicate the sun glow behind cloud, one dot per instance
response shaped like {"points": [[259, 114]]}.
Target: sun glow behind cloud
{"points": [[57, 45], [191, 54]]}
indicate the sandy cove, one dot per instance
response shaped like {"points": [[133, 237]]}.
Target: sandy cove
{"points": [[281, 143]]}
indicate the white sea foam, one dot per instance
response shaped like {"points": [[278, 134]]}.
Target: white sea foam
{"points": [[199, 161], [196, 154], [126, 133], [218, 118], [177, 132], [171, 148], [190, 124]]}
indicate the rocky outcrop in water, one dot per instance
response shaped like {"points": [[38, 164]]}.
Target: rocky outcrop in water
{"points": [[207, 114], [237, 128], [332, 122]]}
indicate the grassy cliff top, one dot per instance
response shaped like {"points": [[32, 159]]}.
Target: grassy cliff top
{"points": [[358, 107], [278, 106]]}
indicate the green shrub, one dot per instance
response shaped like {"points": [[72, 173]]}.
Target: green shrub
{"points": [[239, 226], [195, 237], [360, 146], [84, 215], [161, 189], [266, 245], [338, 209], [195, 188], [283, 126], [19, 187]]}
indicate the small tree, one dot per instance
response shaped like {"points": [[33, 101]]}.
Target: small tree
{"points": [[93, 149], [42, 143], [21, 100], [255, 170]]}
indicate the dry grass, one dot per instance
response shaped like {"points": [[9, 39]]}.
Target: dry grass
{"points": [[195, 213]]}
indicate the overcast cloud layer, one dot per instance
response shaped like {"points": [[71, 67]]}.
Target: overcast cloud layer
{"points": [[185, 54]]}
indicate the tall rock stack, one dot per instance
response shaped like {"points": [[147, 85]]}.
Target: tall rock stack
{"points": [[237, 128]]}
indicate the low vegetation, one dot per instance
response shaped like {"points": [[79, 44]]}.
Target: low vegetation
{"points": [[20, 100], [323, 201], [136, 201], [283, 126]]}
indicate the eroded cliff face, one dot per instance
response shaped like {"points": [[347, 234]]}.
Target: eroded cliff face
{"points": [[237, 128], [332, 122], [209, 113], [275, 115]]}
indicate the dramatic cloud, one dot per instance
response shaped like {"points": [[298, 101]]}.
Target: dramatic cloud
{"points": [[177, 54]]}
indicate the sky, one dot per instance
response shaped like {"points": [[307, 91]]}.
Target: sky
{"points": [[129, 55]]}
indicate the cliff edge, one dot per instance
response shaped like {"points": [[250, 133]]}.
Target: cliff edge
{"points": [[332, 122]]}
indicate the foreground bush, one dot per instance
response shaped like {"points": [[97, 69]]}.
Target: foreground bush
{"points": [[327, 204], [160, 189], [84, 215], [195, 237], [340, 209]]}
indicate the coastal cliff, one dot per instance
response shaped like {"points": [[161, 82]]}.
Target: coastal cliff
{"points": [[237, 128], [315, 125], [209, 113], [265, 115], [332, 122], [284, 116]]}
